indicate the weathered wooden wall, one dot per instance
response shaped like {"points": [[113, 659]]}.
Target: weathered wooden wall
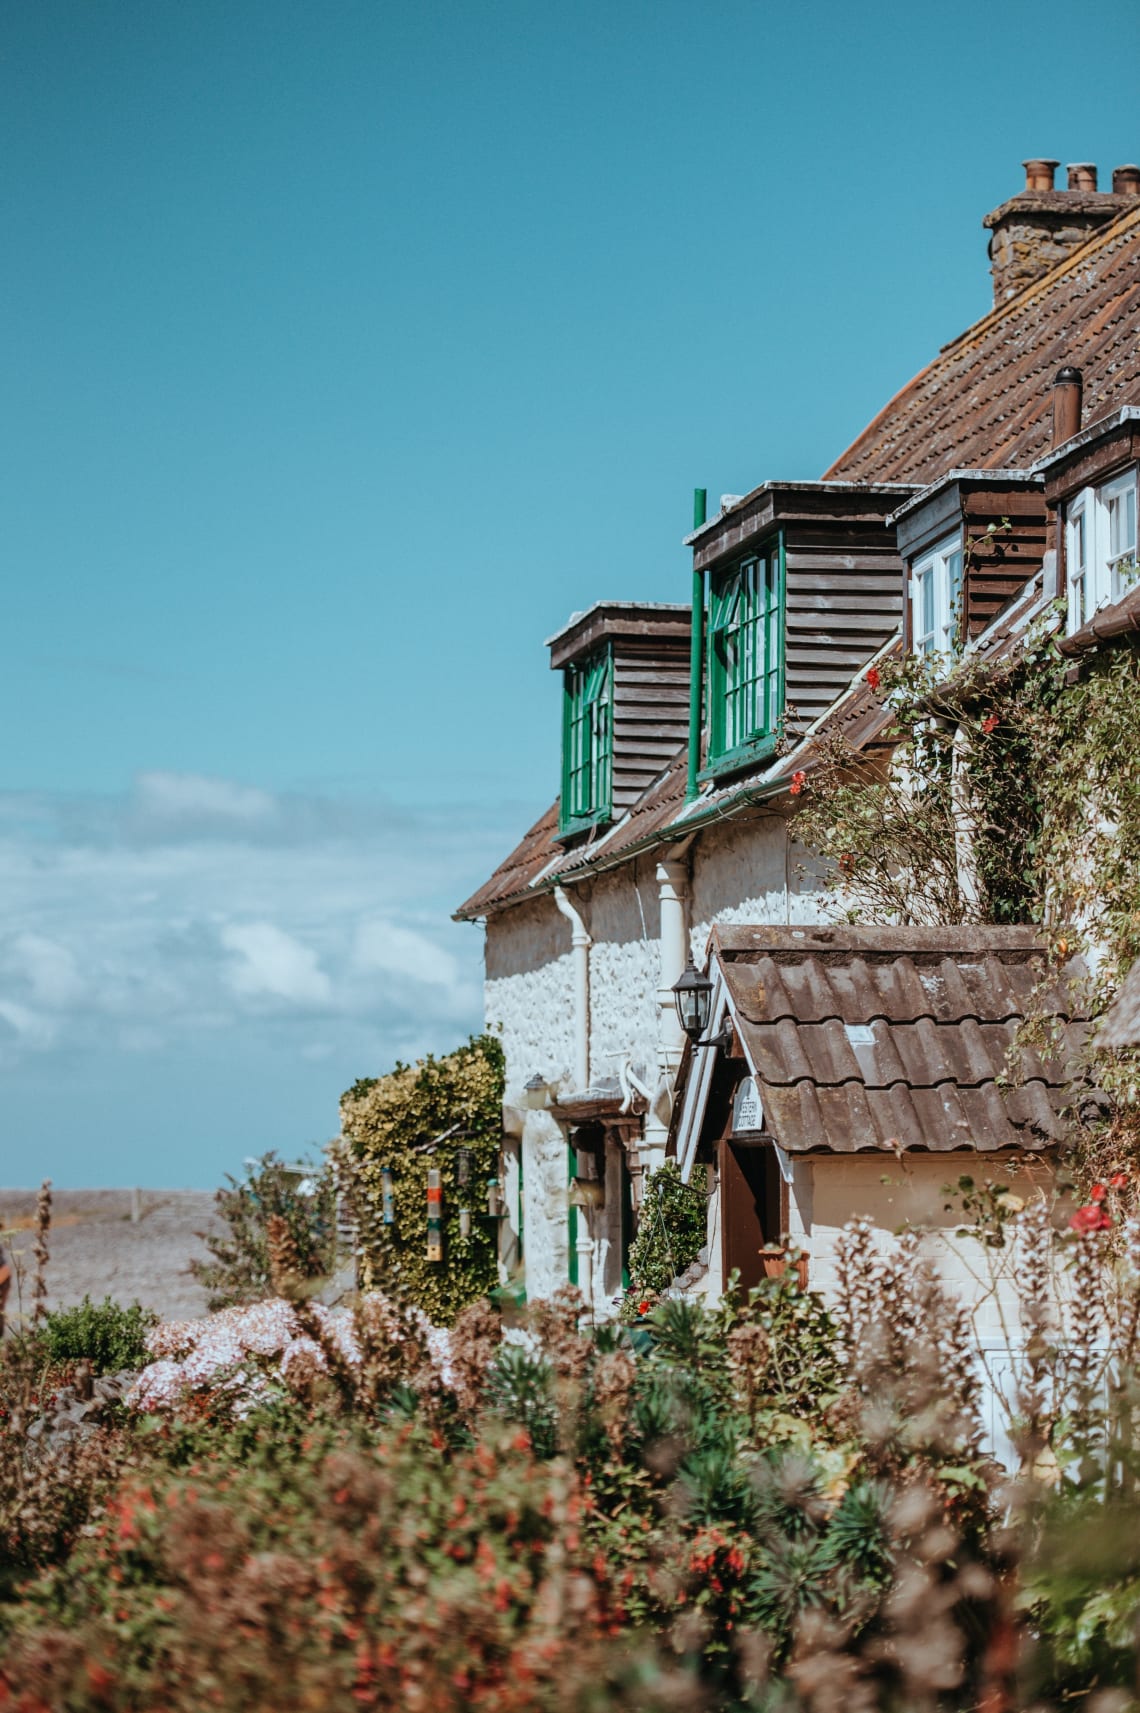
{"points": [[844, 586], [999, 564]]}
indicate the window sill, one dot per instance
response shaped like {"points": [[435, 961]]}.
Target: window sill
{"points": [[744, 756], [584, 824]]}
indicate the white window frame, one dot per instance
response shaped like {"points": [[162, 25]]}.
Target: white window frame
{"points": [[1108, 571], [1119, 500], [1078, 539], [936, 598]]}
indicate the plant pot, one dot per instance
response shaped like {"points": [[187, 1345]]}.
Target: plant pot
{"points": [[777, 1261]]}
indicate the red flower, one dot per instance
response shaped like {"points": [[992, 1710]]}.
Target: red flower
{"points": [[1097, 1193], [872, 677], [1118, 1180], [1091, 1218], [799, 779], [989, 723], [643, 1308]]}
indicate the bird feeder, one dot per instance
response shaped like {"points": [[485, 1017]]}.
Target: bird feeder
{"points": [[387, 1196], [434, 1214]]}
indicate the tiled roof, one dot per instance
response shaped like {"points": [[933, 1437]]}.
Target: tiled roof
{"points": [[985, 401], [517, 873], [661, 813], [889, 1038]]}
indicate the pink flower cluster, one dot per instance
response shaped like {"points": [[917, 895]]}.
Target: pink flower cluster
{"points": [[241, 1347]]}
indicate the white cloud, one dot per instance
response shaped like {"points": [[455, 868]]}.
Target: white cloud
{"points": [[290, 951], [49, 970], [31, 1030], [271, 963], [195, 797], [402, 951]]}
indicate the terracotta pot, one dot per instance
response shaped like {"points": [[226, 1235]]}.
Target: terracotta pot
{"points": [[776, 1262]]}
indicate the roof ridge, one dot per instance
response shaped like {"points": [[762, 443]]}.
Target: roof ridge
{"points": [[991, 319]]}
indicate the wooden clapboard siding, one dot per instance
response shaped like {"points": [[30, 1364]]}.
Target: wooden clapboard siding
{"points": [[651, 711], [844, 601], [1000, 562]]}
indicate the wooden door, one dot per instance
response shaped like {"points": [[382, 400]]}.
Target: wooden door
{"points": [[751, 1208]]}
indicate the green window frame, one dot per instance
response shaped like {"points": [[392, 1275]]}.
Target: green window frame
{"points": [[587, 743], [745, 658]]}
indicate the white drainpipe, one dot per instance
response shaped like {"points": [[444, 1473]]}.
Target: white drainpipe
{"points": [[673, 892], [963, 812], [580, 944]]}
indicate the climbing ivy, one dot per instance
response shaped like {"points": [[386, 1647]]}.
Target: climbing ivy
{"points": [[416, 1118], [1012, 795]]}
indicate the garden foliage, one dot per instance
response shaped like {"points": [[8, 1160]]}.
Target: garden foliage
{"points": [[671, 1231], [240, 1266], [774, 1508], [105, 1335]]}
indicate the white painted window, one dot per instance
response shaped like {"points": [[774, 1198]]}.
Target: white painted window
{"points": [[936, 598], [1100, 547]]}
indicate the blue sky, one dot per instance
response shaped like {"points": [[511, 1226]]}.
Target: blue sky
{"points": [[348, 349]]}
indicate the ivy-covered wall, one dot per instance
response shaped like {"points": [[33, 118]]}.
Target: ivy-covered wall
{"points": [[442, 1114], [1013, 796]]}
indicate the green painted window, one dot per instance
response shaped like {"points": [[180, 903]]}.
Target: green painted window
{"points": [[746, 657], [587, 743]]}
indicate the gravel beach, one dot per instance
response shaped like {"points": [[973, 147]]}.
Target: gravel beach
{"points": [[98, 1248]]}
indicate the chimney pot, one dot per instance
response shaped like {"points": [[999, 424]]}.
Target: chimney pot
{"points": [[1126, 181], [1082, 175], [1068, 391], [1039, 174]]}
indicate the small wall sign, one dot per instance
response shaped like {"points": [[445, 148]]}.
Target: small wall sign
{"points": [[747, 1111]]}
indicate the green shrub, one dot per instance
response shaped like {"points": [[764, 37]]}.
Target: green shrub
{"points": [[444, 1114], [671, 1230], [240, 1269], [104, 1334]]}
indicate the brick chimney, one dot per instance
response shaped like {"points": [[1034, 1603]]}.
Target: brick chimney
{"points": [[1038, 228]]}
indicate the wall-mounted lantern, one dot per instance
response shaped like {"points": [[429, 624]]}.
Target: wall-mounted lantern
{"points": [[535, 1096], [692, 995]]}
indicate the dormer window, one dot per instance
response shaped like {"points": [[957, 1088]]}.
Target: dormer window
{"points": [[746, 656], [587, 743], [1100, 547], [936, 598]]}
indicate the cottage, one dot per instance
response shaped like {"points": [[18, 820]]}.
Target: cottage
{"points": [[686, 732]]}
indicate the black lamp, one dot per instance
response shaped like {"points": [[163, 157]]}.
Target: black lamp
{"points": [[692, 995]]}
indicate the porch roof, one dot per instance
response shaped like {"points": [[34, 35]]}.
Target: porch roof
{"points": [[888, 1038]]}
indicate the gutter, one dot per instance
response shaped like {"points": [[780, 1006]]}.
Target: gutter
{"points": [[1111, 622]]}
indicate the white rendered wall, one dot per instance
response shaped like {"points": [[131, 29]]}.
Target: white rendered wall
{"points": [[740, 872], [833, 1188]]}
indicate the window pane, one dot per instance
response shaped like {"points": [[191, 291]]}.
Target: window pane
{"points": [[744, 652]]}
